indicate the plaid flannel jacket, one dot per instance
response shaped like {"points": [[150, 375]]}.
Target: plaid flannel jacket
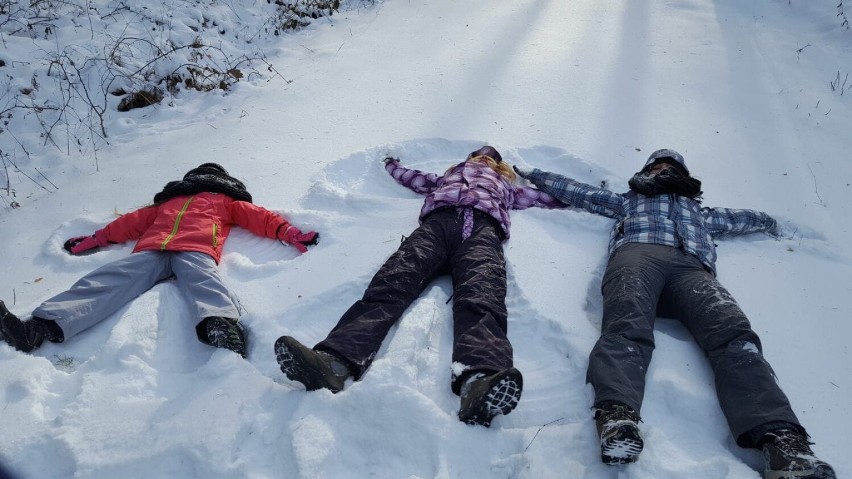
{"points": [[670, 220]]}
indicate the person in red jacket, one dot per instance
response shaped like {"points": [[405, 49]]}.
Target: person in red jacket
{"points": [[180, 235]]}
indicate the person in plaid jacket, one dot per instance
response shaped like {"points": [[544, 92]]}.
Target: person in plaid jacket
{"points": [[662, 261]]}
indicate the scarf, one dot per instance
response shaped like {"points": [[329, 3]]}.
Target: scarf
{"points": [[668, 181], [204, 179]]}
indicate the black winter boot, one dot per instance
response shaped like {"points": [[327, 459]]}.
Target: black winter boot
{"points": [[788, 455], [618, 429], [314, 369], [484, 397], [224, 333], [27, 336]]}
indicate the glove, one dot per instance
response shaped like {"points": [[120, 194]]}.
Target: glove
{"points": [[86, 244], [783, 229], [299, 240], [521, 173], [388, 159]]}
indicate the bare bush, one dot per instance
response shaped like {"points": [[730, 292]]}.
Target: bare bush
{"points": [[136, 57]]}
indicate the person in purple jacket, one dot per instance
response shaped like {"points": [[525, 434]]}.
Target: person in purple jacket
{"points": [[463, 223]]}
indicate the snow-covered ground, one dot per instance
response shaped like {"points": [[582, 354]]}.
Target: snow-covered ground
{"points": [[584, 88]]}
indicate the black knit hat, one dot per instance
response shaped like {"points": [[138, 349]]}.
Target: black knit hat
{"points": [[206, 169], [666, 156], [488, 151]]}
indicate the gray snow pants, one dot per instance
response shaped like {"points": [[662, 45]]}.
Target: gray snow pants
{"points": [[644, 280], [102, 292]]}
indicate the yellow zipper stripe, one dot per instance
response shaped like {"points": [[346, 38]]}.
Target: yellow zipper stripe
{"points": [[177, 224], [215, 235]]}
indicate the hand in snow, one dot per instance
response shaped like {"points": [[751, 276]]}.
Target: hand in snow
{"points": [[783, 229], [522, 173], [388, 159], [80, 245], [299, 240]]}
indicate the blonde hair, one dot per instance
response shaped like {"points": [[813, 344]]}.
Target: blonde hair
{"points": [[502, 168]]}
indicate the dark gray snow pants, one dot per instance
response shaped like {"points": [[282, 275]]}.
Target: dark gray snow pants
{"points": [[436, 247], [644, 280]]}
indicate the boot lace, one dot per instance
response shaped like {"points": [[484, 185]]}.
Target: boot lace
{"points": [[614, 412], [791, 443]]}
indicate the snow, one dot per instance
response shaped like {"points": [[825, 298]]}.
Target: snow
{"points": [[584, 88]]}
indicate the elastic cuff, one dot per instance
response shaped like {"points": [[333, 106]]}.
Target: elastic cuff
{"points": [[754, 437], [355, 370], [279, 234]]}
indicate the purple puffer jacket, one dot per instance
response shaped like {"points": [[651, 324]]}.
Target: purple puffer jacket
{"points": [[471, 184]]}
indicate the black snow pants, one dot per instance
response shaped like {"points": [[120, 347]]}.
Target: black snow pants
{"points": [[436, 247], [644, 280]]}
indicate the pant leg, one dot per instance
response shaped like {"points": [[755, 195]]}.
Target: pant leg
{"points": [[102, 292], [479, 302], [358, 335], [631, 288], [748, 391], [198, 277]]}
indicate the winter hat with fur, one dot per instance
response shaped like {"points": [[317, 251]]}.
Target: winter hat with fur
{"points": [[666, 156], [210, 177]]}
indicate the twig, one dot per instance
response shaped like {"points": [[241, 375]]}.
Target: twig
{"points": [[844, 24], [816, 187], [45, 178], [799, 51], [6, 170], [22, 172], [539, 430], [836, 85]]}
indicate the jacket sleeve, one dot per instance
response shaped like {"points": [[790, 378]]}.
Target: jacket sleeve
{"points": [[257, 219], [726, 221], [526, 197], [579, 195], [415, 180], [130, 226]]}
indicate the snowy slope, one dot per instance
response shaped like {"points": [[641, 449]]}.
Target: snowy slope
{"points": [[584, 88]]}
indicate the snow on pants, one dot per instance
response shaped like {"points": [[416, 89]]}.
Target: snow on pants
{"points": [[642, 280], [102, 292], [436, 247]]}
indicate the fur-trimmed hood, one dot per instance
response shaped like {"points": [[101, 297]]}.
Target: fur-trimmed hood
{"points": [[207, 177]]}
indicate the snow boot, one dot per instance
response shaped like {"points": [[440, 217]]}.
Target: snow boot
{"points": [[788, 455], [27, 336], [484, 397], [618, 429], [224, 333], [314, 369]]}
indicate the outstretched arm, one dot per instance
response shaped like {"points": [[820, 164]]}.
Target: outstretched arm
{"points": [[264, 222], [727, 221], [574, 193], [415, 180], [124, 228], [526, 197]]}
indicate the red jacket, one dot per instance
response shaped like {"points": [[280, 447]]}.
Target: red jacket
{"points": [[199, 223]]}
